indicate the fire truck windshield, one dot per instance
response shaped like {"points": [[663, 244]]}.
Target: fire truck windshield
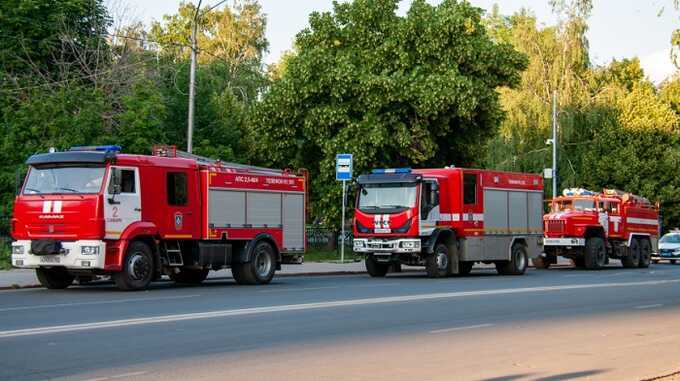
{"points": [[575, 204], [64, 179], [387, 196]]}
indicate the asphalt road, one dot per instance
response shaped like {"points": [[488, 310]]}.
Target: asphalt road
{"points": [[547, 325]]}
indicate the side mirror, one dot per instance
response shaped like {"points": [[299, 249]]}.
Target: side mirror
{"points": [[115, 185]]}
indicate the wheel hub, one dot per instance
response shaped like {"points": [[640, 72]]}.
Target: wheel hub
{"points": [[263, 264], [139, 267], [442, 261]]}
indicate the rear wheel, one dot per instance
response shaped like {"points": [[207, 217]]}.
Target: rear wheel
{"points": [[518, 262], [190, 276], [55, 278], [645, 253], [437, 263], [672, 261], [375, 268], [595, 253], [633, 258], [260, 270], [138, 268]]}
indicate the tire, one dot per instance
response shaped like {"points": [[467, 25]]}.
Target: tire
{"points": [[632, 260], [595, 256], [655, 261], [645, 253], [260, 269], [672, 261], [541, 262], [190, 276], [138, 268], [376, 269], [518, 262], [437, 263], [464, 268], [55, 278]]}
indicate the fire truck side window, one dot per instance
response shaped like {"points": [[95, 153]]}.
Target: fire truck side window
{"points": [[430, 198], [177, 188], [469, 188], [127, 183]]}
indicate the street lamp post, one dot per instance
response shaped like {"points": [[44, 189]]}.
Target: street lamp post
{"points": [[192, 81]]}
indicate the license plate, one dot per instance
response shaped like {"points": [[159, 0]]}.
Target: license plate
{"points": [[50, 259]]}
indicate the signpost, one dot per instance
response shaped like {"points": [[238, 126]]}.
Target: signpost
{"points": [[343, 172]]}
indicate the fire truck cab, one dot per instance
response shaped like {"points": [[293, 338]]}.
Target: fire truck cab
{"points": [[448, 219], [92, 211], [591, 227]]}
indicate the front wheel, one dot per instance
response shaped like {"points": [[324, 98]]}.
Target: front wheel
{"points": [[541, 262], [633, 258], [376, 269], [645, 253], [437, 263], [54, 278], [138, 268], [260, 270], [464, 268], [517, 264], [595, 253]]}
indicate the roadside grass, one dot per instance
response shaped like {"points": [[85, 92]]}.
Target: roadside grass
{"points": [[317, 255]]}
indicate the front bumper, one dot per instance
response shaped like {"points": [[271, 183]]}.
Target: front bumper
{"points": [[70, 258], [665, 256], [375, 245], [564, 242]]}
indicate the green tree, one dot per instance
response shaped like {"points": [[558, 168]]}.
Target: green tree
{"points": [[413, 90]]}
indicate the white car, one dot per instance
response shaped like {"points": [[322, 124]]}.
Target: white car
{"points": [[669, 248]]}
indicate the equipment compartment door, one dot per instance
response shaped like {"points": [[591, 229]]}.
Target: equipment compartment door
{"points": [[293, 222], [122, 204]]}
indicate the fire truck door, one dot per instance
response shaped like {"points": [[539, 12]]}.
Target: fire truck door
{"points": [[122, 205], [181, 222], [429, 206]]}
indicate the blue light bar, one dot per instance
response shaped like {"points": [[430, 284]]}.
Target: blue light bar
{"points": [[391, 170], [108, 148]]}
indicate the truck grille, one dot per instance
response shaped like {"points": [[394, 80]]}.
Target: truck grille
{"points": [[554, 226]]}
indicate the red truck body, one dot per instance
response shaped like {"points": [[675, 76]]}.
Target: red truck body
{"points": [[186, 215], [447, 219], [591, 227]]}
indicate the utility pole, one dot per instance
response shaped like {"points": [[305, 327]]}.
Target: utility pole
{"points": [[554, 144], [192, 80]]}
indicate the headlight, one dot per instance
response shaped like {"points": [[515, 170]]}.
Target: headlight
{"points": [[676, 251], [89, 250], [18, 250], [410, 244]]}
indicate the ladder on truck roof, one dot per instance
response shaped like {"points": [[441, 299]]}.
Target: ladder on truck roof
{"points": [[172, 151]]}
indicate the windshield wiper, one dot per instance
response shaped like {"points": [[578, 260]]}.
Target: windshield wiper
{"points": [[69, 189], [36, 191], [393, 206]]}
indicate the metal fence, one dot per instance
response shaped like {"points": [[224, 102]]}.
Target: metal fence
{"points": [[327, 239]]}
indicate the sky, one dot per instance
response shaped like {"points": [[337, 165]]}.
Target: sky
{"points": [[617, 28]]}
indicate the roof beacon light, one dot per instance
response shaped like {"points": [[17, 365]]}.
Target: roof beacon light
{"points": [[391, 170], [108, 148]]}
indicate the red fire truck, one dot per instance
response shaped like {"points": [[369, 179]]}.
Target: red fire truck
{"points": [[590, 228], [448, 219], [93, 211]]}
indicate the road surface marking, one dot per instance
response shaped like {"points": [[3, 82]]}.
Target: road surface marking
{"points": [[313, 306], [375, 285], [21, 308], [461, 328], [648, 306]]}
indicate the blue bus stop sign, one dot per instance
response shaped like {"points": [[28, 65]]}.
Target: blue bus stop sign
{"points": [[343, 166]]}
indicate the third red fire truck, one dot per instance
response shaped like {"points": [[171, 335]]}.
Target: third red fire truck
{"points": [[591, 227], [92, 211], [448, 219]]}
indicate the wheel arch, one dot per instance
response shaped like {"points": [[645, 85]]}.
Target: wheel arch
{"points": [[440, 235]]}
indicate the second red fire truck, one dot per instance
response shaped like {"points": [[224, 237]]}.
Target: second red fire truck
{"points": [[448, 219], [93, 211], [591, 227]]}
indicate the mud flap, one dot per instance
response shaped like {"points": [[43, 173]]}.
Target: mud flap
{"points": [[454, 259]]}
